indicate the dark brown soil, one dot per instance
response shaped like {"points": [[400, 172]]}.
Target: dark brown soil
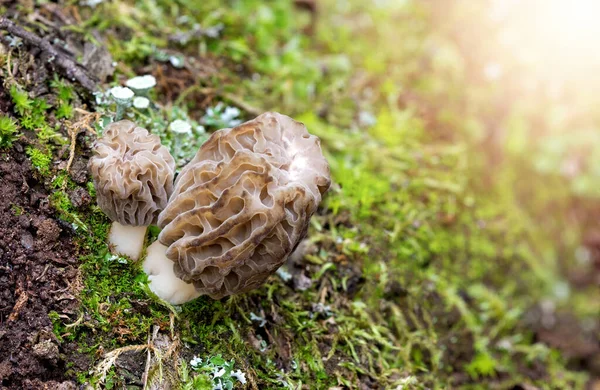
{"points": [[38, 275]]}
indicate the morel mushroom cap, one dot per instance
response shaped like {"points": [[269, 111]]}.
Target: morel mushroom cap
{"points": [[133, 175], [242, 205]]}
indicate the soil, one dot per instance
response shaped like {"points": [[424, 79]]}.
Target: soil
{"points": [[38, 275]]}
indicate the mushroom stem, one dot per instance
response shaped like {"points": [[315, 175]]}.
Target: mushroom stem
{"points": [[127, 240], [162, 279]]}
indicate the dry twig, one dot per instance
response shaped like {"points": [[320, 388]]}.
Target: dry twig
{"points": [[158, 350], [21, 301], [111, 357], [75, 128], [151, 338]]}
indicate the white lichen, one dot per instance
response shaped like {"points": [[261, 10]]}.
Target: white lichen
{"points": [[262, 322], [195, 362], [121, 95], [220, 372], [141, 103], [141, 84], [221, 116], [240, 376], [284, 275], [177, 61]]}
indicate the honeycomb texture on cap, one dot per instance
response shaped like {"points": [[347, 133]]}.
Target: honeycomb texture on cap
{"points": [[243, 204], [133, 174]]}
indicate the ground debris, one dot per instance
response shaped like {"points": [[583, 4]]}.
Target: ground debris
{"points": [[67, 66]]}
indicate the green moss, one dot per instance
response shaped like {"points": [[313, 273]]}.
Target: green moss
{"points": [[33, 115], [16, 210], [21, 100], [65, 95], [482, 365], [63, 205], [62, 180], [9, 131], [64, 91], [408, 275], [40, 160], [64, 111], [57, 326], [114, 289]]}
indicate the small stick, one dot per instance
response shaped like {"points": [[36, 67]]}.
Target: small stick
{"points": [[71, 69], [148, 362], [8, 64], [21, 301], [43, 273], [73, 134], [75, 129]]}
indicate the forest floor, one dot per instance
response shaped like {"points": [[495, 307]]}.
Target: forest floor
{"points": [[440, 258]]}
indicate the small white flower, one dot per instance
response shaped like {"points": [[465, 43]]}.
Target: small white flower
{"points": [[240, 376], [180, 127], [141, 102]]}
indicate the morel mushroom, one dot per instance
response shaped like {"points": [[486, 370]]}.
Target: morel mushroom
{"points": [[239, 208], [133, 175]]}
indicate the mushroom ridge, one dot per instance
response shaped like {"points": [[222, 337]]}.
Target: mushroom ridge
{"points": [[243, 204]]}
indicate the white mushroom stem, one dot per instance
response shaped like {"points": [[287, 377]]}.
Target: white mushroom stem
{"points": [[162, 279], [127, 240]]}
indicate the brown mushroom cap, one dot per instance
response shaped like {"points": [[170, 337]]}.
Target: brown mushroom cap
{"points": [[133, 174], [242, 205]]}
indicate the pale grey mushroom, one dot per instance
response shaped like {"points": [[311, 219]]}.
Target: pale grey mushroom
{"points": [[133, 175], [239, 208]]}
